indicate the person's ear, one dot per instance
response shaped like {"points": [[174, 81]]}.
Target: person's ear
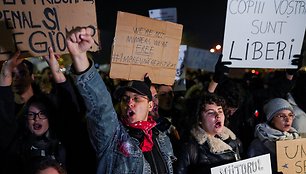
{"points": [[151, 104]]}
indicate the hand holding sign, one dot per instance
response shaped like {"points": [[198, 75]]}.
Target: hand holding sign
{"points": [[221, 70], [7, 69], [298, 61]]}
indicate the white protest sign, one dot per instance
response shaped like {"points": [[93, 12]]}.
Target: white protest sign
{"points": [[201, 59], [180, 66], [256, 165], [165, 14], [180, 81], [263, 33]]}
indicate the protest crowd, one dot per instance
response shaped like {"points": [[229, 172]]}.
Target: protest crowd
{"points": [[138, 126], [79, 120]]}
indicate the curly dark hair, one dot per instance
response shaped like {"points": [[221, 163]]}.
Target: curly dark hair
{"points": [[209, 98], [232, 92]]}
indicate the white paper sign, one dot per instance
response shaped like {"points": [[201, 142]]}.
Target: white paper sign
{"points": [[256, 165], [165, 14], [180, 66], [201, 59], [263, 33]]}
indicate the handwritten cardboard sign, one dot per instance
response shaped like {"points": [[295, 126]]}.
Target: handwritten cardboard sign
{"points": [[264, 33], [256, 165], [291, 156], [144, 45], [32, 26]]}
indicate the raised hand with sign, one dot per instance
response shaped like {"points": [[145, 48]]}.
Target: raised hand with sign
{"points": [[298, 61], [221, 70]]}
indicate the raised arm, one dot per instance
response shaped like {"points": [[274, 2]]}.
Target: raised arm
{"points": [[221, 70], [79, 42], [102, 121], [58, 75], [8, 66], [8, 122]]}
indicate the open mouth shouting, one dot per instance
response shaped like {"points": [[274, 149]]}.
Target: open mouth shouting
{"points": [[37, 126], [218, 124], [130, 112]]}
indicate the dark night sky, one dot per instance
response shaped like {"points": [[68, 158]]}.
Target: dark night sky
{"points": [[203, 25]]}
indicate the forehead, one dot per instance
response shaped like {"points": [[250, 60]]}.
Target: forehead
{"points": [[39, 106], [211, 106], [283, 111]]}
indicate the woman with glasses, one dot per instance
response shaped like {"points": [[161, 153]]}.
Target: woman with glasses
{"points": [[280, 115], [39, 140], [211, 144]]}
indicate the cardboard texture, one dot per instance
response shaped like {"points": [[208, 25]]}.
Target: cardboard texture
{"points": [[291, 156], [32, 28], [144, 45]]}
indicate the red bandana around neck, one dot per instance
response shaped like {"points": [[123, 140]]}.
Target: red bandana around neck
{"points": [[146, 127]]}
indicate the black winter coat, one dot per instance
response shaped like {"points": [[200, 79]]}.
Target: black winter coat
{"points": [[203, 152]]}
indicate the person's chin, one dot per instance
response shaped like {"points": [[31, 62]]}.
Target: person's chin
{"points": [[132, 119]]}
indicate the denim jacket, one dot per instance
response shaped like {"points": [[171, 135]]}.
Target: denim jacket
{"points": [[116, 150]]}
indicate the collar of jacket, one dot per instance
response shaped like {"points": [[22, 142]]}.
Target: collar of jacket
{"points": [[216, 144]]}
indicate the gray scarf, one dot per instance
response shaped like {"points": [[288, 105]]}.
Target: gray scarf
{"points": [[264, 132], [269, 136]]}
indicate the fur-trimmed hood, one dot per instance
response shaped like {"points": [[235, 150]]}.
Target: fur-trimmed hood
{"points": [[216, 144]]}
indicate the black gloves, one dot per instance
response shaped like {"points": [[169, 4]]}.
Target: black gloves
{"points": [[297, 60], [220, 70]]}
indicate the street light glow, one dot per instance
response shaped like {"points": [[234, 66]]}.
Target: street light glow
{"points": [[218, 47]]}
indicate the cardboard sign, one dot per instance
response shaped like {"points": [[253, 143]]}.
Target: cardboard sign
{"points": [[165, 14], [291, 156], [33, 26], [264, 33], [201, 59], [256, 165], [144, 45]]}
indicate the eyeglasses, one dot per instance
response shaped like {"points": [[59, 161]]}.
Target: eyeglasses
{"points": [[40, 115], [284, 116], [136, 98]]}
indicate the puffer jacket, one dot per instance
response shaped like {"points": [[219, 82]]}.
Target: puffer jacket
{"points": [[203, 151]]}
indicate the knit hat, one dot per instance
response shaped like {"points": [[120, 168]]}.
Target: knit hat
{"points": [[136, 86], [275, 105]]}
